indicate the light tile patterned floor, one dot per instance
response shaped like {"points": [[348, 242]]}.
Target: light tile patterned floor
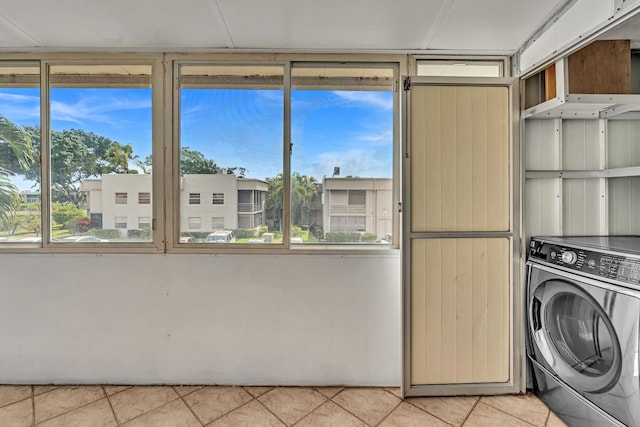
{"points": [[107, 406]]}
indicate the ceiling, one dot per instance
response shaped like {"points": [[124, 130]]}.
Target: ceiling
{"points": [[488, 26]]}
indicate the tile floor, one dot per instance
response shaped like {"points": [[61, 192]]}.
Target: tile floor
{"points": [[97, 406]]}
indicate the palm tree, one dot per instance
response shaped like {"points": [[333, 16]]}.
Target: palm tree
{"points": [[17, 142]]}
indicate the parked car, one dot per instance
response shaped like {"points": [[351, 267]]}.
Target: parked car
{"points": [[297, 240], [187, 239], [221, 236], [81, 239]]}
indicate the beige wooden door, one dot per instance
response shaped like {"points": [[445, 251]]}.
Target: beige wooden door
{"points": [[458, 240]]}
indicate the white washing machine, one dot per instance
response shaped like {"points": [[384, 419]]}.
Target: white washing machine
{"points": [[583, 309]]}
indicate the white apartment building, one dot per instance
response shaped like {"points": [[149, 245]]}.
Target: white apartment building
{"points": [[207, 202], [358, 204]]}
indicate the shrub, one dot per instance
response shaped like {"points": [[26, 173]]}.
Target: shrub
{"points": [[245, 233], [134, 234], [296, 231], [263, 229], [83, 225], [368, 237], [105, 233], [64, 214], [342, 236]]}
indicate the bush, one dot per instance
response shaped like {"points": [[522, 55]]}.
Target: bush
{"points": [[83, 225], [369, 237], [296, 231], [263, 229], [342, 237], [134, 234], [64, 214], [105, 233], [316, 230], [245, 233]]}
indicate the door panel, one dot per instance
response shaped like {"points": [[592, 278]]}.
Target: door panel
{"points": [[460, 310], [460, 159]]}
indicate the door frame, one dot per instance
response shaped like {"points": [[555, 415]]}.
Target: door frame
{"points": [[517, 353]]}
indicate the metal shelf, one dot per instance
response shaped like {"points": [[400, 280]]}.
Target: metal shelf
{"points": [[587, 106], [588, 174]]}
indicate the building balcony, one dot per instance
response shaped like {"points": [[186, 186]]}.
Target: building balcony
{"points": [[249, 208]]}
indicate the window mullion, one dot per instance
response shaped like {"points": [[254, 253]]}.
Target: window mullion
{"points": [[45, 156], [287, 151]]}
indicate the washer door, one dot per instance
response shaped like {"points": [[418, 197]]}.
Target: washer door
{"points": [[575, 336]]}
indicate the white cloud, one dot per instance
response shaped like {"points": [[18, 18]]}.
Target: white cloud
{"points": [[19, 108], [95, 109], [379, 100]]}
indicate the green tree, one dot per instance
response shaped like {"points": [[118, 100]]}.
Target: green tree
{"points": [[16, 156], [118, 156], [75, 156], [62, 214], [275, 197], [304, 190], [194, 162]]}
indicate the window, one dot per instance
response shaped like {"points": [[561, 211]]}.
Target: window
{"points": [[231, 146], [217, 222], [98, 107], [218, 199], [20, 219], [120, 222], [144, 222], [195, 223], [342, 128], [460, 68], [121, 198], [144, 198], [289, 152]]}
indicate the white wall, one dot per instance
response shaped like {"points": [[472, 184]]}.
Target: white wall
{"points": [[224, 319]]}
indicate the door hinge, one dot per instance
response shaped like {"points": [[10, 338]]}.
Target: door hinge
{"points": [[407, 83]]}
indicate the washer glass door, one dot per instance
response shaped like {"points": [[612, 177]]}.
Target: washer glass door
{"points": [[584, 348]]}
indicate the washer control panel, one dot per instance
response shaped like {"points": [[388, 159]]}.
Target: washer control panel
{"points": [[599, 264]]}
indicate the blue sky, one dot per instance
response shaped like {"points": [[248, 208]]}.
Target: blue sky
{"points": [[352, 130]]}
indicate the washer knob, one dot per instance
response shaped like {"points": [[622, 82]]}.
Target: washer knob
{"points": [[569, 257]]}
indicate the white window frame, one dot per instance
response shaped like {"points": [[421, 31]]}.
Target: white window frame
{"points": [[288, 61], [165, 142]]}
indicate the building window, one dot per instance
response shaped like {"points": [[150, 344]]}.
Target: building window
{"points": [[357, 197], [120, 222], [217, 223], [218, 198], [121, 198], [195, 223], [144, 222], [194, 198], [144, 198]]}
